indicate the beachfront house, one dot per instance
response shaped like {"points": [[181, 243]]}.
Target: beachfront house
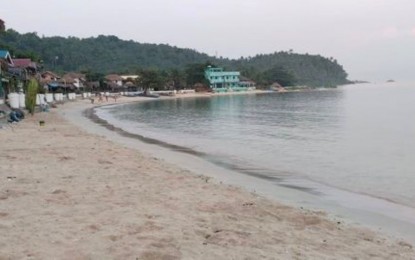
{"points": [[49, 76], [5, 63], [74, 81], [223, 81], [113, 81], [247, 83], [129, 78], [129, 82], [50, 81], [25, 68]]}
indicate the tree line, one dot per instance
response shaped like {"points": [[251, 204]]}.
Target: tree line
{"points": [[182, 67]]}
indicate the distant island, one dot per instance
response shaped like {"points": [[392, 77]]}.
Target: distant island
{"points": [[359, 82], [109, 54]]}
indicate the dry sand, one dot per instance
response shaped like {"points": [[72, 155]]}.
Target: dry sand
{"points": [[68, 194]]}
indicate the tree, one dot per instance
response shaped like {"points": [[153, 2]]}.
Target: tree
{"points": [[176, 78], [93, 76], [149, 78], [107, 54], [279, 74], [32, 90], [2, 26], [195, 73]]}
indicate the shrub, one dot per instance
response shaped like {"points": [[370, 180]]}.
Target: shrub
{"points": [[32, 90]]}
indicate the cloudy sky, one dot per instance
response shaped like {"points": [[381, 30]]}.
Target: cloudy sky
{"points": [[373, 39]]}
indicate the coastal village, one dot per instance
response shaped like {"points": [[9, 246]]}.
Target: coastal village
{"points": [[52, 88], [74, 188]]}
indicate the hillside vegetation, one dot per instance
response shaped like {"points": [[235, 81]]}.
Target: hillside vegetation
{"points": [[109, 54]]}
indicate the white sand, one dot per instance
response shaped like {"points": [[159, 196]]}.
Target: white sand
{"points": [[68, 194]]}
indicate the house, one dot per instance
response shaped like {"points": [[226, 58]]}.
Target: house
{"points": [[130, 82], [114, 78], [247, 83], [24, 69], [5, 55], [113, 81], [50, 81], [75, 80], [26, 63], [49, 76], [6, 62], [223, 81], [129, 78]]}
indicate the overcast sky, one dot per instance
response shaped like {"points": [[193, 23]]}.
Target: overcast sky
{"points": [[373, 39]]}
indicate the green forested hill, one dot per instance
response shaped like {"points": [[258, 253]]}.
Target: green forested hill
{"points": [[313, 70], [109, 54]]}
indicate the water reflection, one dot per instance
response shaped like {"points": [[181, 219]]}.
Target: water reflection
{"points": [[358, 139]]}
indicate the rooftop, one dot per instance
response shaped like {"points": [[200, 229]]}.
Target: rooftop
{"points": [[24, 63]]}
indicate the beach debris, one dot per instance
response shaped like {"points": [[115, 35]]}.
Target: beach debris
{"points": [[405, 244], [104, 162], [203, 177], [11, 178], [114, 238], [58, 191], [248, 204], [65, 158], [94, 228]]}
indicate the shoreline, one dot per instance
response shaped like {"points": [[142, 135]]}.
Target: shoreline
{"points": [[391, 218], [88, 194]]}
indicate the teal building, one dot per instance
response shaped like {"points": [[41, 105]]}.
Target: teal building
{"points": [[223, 81]]}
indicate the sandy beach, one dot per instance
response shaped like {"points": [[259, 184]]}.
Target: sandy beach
{"points": [[69, 194]]}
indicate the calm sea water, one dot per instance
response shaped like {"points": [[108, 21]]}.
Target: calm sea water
{"points": [[359, 138]]}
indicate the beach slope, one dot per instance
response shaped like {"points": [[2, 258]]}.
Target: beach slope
{"points": [[68, 194]]}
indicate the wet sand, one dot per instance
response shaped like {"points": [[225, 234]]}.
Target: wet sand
{"points": [[69, 194]]}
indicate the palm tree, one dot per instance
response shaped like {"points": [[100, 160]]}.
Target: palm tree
{"points": [[176, 78]]}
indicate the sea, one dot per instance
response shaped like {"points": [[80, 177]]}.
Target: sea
{"points": [[355, 139]]}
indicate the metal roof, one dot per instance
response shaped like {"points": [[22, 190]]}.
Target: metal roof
{"points": [[6, 56]]}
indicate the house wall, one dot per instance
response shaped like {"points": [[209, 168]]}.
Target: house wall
{"points": [[76, 83]]}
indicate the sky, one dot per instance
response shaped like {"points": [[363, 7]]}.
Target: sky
{"points": [[374, 40]]}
